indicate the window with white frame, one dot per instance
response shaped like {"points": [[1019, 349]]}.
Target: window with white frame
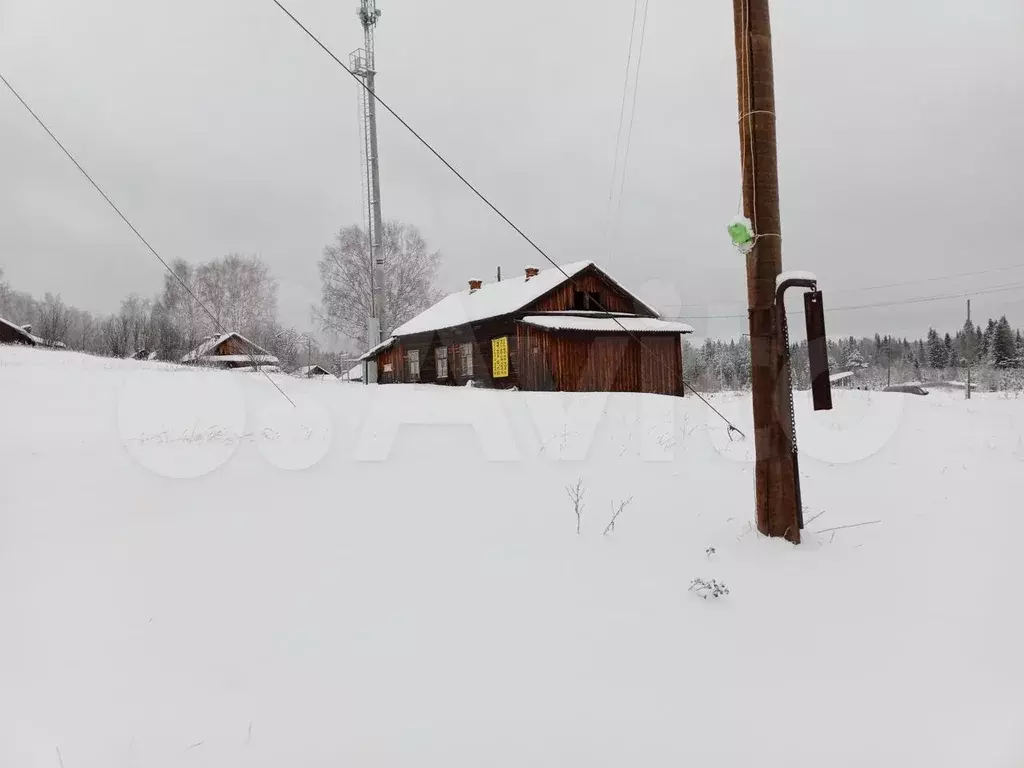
{"points": [[466, 359], [412, 364], [441, 359]]}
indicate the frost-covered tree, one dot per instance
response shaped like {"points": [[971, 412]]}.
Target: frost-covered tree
{"points": [[855, 360], [1004, 346], [54, 319], [937, 356], [410, 272]]}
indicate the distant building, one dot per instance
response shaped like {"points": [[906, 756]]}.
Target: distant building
{"points": [[573, 329], [313, 371], [355, 373], [231, 350], [844, 379], [11, 333]]}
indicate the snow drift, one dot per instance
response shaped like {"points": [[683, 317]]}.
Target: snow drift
{"points": [[194, 573]]}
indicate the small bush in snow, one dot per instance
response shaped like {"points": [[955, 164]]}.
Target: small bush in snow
{"points": [[615, 514], [576, 493], [709, 552], [704, 588]]}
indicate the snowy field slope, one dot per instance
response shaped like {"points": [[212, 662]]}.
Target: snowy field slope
{"points": [[194, 573]]}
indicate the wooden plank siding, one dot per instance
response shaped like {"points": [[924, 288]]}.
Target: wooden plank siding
{"points": [[613, 299], [391, 356], [231, 346], [574, 361], [479, 335]]}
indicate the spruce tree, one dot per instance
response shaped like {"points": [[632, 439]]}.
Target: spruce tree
{"points": [[1004, 346]]}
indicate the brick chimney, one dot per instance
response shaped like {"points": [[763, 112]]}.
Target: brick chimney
{"points": [[531, 272], [474, 285]]}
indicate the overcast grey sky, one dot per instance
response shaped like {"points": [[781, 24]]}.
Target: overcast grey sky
{"points": [[217, 126]]}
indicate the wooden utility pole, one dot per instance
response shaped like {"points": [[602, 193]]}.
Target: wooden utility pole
{"points": [[775, 479], [970, 348], [888, 369]]}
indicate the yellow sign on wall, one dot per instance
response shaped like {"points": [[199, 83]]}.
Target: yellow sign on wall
{"points": [[499, 357]]}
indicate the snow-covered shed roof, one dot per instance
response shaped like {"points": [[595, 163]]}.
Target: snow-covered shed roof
{"points": [[254, 358], [379, 348], [493, 300], [259, 369], [202, 352], [619, 324], [21, 332], [840, 376], [313, 370]]}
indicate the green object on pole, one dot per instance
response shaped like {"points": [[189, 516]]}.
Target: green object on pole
{"points": [[742, 233]]}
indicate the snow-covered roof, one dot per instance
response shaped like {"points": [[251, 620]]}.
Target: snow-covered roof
{"points": [[211, 359], [308, 370], [215, 341], [260, 369], [840, 376], [606, 324], [493, 300], [380, 347], [21, 332]]}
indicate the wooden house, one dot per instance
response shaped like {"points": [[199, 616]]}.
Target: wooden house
{"points": [[231, 350], [572, 330], [10, 333], [314, 372]]}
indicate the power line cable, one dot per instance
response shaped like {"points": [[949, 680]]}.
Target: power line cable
{"points": [[917, 281], [893, 303], [622, 109], [131, 226], [373, 94], [632, 111]]}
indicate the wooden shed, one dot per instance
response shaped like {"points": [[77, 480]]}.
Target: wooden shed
{"points": [[541, 331], [314, 372], [231, 350], [10, 333]]}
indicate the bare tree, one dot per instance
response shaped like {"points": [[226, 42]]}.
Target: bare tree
{"points": [[616, 511], [114, 339], [54, 319], [82, 333], [576, 494], [238, 291], [410, 271], [134, 319], [182, 321]]}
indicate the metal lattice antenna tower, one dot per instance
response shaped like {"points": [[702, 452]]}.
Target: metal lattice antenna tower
{"points": [[363, 64]]}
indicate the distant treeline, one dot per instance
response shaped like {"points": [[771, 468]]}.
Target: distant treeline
{"points": [[994, 351], [239, 292]]}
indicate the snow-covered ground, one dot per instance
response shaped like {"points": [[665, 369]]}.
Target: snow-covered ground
{"points": [[195, 573]]}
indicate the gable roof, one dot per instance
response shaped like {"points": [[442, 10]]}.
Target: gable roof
{"points": [[496, 299], [308, 370], [203, 350], [372, 351], [599, 324], [27, 337]]}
